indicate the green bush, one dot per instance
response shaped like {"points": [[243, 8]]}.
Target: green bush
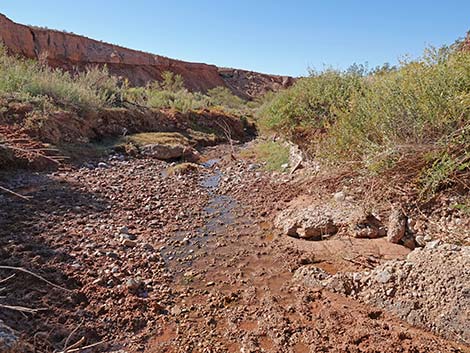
{"points": [[418, 104], [222, 96], [313, 102], [377, 118], [170, 93]]}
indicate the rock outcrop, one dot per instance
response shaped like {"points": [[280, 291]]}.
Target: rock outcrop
{"points": [[73, 52]]}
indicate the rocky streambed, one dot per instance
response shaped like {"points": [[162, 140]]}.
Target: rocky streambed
{"points": [[146, 257]]}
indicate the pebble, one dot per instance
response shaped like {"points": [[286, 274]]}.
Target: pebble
{"points": [[383, 276], [128, 242], [339, 196], [133, 283], [420, 240]]}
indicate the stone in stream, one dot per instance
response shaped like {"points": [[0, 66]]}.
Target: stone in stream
{"points": [[128, 242], [133, 283]]}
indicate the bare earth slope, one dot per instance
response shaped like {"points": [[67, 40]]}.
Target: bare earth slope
{"points": [[70, 51]]}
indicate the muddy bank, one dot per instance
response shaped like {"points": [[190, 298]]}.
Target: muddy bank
{"points": [[30, 138], [71, 127]]}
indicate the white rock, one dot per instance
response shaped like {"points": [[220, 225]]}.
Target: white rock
{"points": [[339, 196]]}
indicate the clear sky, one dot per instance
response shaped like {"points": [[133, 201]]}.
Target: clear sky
{"points": [[281, 37]]}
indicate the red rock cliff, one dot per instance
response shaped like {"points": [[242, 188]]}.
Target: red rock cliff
{"points": [[70, 51]]}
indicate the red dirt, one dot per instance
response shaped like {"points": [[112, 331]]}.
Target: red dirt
{"points": [[206, 272], [20, 150]]}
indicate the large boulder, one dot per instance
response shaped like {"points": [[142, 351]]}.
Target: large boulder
{"points": [[170, 152], [316, 221]]}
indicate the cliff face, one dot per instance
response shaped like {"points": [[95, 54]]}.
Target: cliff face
{"points": [[70, 52]]}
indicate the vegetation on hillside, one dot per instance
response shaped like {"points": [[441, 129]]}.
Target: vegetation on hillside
{"points": [[419, 110], [95, 88]]}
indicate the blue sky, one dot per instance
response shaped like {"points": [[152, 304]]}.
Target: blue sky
{"points": [[282, 37]]}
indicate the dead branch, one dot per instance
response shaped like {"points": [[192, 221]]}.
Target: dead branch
{"points": [[84, 347], [6, 279], [34, 275], [297, 166], [76, 344], [14, 193], [228, 135], [34, 151], [22, 309]]}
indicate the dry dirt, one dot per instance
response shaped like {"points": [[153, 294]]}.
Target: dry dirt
{"points": [[152, 261]]}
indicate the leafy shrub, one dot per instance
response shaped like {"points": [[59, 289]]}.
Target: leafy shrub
{"points": [[377, 118], [313, 102], [222, 96]]}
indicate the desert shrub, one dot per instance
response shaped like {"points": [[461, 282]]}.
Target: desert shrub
{"points": [[313, 102], [105, 85], [222, 96], [418, 104], [92, 89], [450, 164], [170, 93], [377, 118]]}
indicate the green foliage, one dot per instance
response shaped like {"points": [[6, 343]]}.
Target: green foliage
{"points": [[273, 154], [313, 102], [222, 96], [170, 93], [451, 160], [26, 79], [374, 117], [95, 88]]}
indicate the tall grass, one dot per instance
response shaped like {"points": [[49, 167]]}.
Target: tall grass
{"points": [[23, 78], [421, 108]]}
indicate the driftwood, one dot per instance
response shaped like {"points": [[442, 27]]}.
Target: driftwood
{"points": [[359, 263]]}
